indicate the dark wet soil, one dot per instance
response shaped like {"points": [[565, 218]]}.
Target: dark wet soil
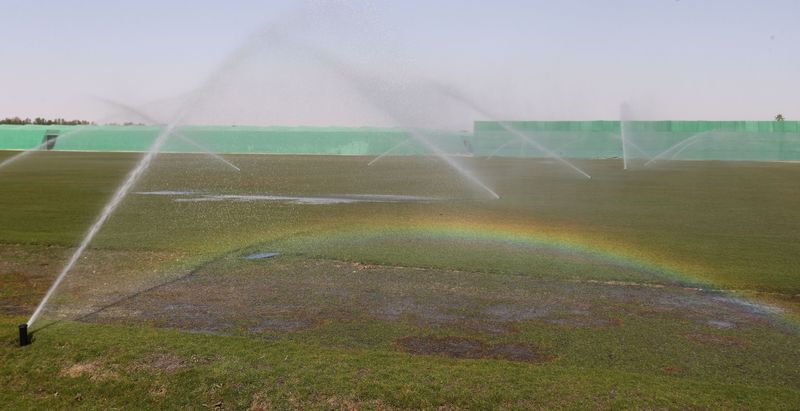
{"points": [[290, 293], [26, 273]]}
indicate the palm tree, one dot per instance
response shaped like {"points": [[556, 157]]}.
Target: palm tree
{"points": [[779, 117]]}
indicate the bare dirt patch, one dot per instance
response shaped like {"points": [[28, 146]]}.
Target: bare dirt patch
{"points": [[159, 390], [26, 272], [472, 348], [260, 402], [296, 294], [93, 370]]}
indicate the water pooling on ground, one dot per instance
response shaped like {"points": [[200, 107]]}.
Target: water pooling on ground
{"points": [[191, 197]]}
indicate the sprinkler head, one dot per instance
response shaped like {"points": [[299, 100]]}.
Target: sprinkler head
{"points": [[24, 338]]}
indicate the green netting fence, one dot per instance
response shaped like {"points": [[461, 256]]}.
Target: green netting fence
{"points": [[695, 140], [684, 140]]}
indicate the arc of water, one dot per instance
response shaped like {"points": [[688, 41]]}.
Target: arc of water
{"points": [[144, 116], [112, 205], [565, 145], [624, 124], [509, 128], [207, 151], [541, 147], [639, 149], [385, 153], [522, 145], [624, 141], [677, 145], [28, 152], [137, 113], [194, 98], [497, 150], [451, 162], [685, 146], [355, 80]]}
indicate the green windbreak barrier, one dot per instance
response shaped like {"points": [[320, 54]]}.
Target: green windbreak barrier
{"points": [[685, 140], [661, 140], [275, 140]]}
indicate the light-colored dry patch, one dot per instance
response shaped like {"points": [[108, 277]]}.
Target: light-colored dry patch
{"points": [[349, 404], [362, 266], [159, 390], [94, 370], [260, 402]]}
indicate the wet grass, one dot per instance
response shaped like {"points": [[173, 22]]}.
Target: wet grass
{"points": [[360, 311]]}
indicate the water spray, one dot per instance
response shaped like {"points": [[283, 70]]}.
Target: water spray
{"points": [[232, 61], [453, 94], [385, 153], [683, 144], [177, 133], [504, 145], [637, 148], [121, 193], [624, 113], [357, 79], [38, 147]]}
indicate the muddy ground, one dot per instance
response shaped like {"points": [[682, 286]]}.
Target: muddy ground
{"points": [[233, 295], [460, 315]]}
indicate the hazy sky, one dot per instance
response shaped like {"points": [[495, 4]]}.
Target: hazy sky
{"points": [[687, 59]]}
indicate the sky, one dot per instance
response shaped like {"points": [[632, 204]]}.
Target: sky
{"points": [[362, 63]]}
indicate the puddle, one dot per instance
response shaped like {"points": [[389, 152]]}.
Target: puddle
{"points": [[720, 324], [260, 256], [193, 197], [166, 193]]}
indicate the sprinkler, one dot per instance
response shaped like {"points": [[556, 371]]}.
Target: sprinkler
{"points": [[24, 338]]}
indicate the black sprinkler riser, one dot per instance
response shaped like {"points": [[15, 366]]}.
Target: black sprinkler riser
{"points": [[24, 338]]}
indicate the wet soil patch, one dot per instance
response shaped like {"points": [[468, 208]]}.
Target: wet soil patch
{"points": [[26, 271], [293, 293], [261, 256], [472, 348]]}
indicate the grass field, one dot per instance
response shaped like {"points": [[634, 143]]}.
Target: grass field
{"points": [[674, 286]]}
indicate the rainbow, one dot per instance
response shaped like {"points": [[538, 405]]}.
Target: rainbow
{"points": [[566, 240]]}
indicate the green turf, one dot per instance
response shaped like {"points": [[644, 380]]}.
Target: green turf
{"points": [[151, 368], [735, 226], [740, 223]]}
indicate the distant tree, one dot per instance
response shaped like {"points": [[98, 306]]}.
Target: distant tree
{"points": [[779, 117], [43, 121]]}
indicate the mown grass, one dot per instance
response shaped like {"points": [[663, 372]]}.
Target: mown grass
{"points": [[738, 223], [734, 226], [128, 370]]}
